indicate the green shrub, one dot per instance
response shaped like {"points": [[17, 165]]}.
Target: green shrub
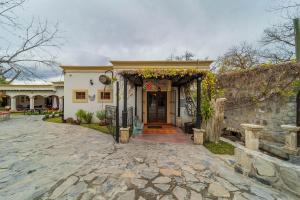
{"points": [[101, 115], [88, 117], [80, 114], [46, 116]]}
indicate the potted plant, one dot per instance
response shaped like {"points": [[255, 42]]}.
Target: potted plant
{"points": [[80, 114], [101, 116]]}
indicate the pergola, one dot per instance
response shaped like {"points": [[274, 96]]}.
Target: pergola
{"points": [[178, 77]]}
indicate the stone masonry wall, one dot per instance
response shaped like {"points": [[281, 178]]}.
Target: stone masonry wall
{"points": [[259, 96], [271, 114]]}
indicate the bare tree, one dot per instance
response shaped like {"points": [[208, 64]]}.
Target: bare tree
{"points": [[35, 41], [187, 55], [278, 40], [241, 57]]}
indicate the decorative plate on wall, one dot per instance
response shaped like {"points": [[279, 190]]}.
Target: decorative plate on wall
{"points": [[92, 97]]}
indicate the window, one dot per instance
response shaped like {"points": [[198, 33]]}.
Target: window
{"points": [[80, 96], [105, 96]]}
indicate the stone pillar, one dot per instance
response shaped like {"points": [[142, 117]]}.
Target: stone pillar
{"points": [[13, 103], [31, 105], [178, 121], [124, 135], [291, 136], [199, 136], [252, 132], [61, 103]]}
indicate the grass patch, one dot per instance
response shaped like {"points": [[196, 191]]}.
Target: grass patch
{"points": [[220, 148], [54, 120], [97, 127]]}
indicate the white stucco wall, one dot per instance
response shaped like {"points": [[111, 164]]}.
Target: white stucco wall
{"points": [[81, 81]]}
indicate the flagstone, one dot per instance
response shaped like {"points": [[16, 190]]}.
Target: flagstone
{"points": [[62, 161]]}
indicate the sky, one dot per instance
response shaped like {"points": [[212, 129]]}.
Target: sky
{"points": [[96, 31]]}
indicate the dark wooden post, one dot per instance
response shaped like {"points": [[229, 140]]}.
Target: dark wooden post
{"points": [[135, 101], [63, 110], [142, 105], [117, 114], [198, 109], [178, 112], [124, 112], [297, 38]]}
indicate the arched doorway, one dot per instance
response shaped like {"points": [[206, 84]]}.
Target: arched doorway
{"points": [[22, 102], [298, 117], [52, 102], [39, 101], [5, 102]]}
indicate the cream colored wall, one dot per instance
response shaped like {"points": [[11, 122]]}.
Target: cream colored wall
{"points": [[81, 81]]}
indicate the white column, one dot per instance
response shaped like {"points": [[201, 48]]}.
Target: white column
{"points": [[13, 104], [31, 103], [54, 102], [60, 103]]}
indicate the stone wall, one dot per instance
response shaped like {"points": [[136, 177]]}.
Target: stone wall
{"points": [[255, 96], [268, 170], [271, 114]]}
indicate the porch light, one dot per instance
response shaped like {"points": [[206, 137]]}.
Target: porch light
{"points": [[91, 82]]}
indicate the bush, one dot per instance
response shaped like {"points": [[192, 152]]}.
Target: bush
{"points": [[88, 117], [101, 115], [80, 114], [46, 116], [70, 120]]}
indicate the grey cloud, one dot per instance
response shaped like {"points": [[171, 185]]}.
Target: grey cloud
{"points": [[99, 30]]}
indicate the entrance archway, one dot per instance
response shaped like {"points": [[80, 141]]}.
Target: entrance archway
{"points": [[22, 102], [5, 102]]}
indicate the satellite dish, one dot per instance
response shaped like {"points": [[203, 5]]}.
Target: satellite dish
{"points": [[105, 79]]}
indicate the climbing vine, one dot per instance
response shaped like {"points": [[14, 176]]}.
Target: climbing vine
{"points": [[168, 73], [209, 93], [250, 87]]}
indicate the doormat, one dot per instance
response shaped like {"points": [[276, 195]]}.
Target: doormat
{"points": [[154, 126]]}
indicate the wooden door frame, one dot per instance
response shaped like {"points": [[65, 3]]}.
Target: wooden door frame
{"points": [[166, 107]]}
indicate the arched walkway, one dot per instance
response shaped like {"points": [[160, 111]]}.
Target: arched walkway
{"points": [[5, 102], [52, 102], [38, 101], [22, 102]]}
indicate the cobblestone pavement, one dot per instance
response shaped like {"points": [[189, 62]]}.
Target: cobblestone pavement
{"points": [[41, 160]]}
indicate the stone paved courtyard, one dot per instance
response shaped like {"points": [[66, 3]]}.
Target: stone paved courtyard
{"points": [[42, 160]]}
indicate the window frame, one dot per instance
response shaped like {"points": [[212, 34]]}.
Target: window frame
{"points": [[75, 100], [105, 100]]}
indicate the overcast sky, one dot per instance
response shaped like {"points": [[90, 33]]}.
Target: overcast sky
{"points": [[98, 30]]}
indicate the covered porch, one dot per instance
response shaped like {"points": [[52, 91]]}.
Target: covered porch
{"points": [[160, 102], [31, 97]]}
